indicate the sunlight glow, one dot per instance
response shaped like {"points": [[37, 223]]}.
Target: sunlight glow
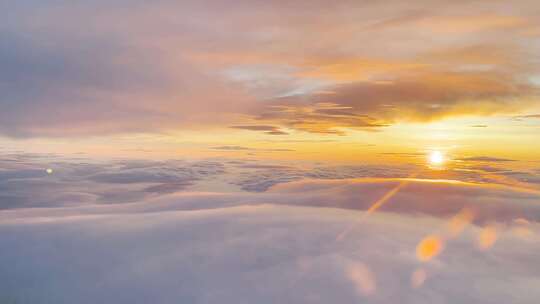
{"points": [[363, 279], [429, 248], [418, 278], [487, 237], [436, 158]]}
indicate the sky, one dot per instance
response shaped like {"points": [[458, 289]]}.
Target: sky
{"points": [[188, 75], [314, 151]]}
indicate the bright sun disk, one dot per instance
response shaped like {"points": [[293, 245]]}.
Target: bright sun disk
{"points": [[436, 158]]}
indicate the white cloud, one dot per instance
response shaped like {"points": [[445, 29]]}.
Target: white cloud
{"points": [[100, 235], [257, 248], [252, 254]]}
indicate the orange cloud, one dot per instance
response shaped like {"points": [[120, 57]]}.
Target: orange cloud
{"points": [[424, 96], [168, 65]]}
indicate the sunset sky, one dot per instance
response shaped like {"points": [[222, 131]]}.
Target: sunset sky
{"points": [[127, 117], [347, 81]]}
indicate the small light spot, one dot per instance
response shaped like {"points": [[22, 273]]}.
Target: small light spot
{"points": [[521, 229], [521, 221], [49, 171], [459, 222], [523, 233], [487, 237], [418, 278], [362, 278], [429, 248]]}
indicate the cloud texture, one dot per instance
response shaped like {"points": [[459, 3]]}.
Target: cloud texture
{"points": [[243, 231], [84, 68], [176, 249]]}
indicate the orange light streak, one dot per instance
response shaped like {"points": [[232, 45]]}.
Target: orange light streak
{"points": [[378, 204]]}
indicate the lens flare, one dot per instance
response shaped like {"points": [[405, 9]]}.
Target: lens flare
{"points": [[429, 248], [459, 222], [521, 229], [487, 237], [418, 278], [363, 279]]}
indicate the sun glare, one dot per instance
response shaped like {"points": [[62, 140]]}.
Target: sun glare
{"points": [[436, 158]]}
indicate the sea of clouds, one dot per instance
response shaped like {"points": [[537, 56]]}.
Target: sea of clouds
{"points": [[127, 231]]}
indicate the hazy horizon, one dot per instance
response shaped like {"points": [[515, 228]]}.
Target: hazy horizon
{"points": [[269, 151]]}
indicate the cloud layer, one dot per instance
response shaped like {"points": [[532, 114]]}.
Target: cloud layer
{"points": [[41, 180], [81, 68], [159, 251], [230, 231]]}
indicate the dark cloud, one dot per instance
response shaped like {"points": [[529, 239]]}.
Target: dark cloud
{"points": [[266, 177], [278, 150], [255, 128], [488, 168], [524, 177], [485, 159], [418, 196], [430, 95], [277, 132], [522, 117], [323, 118], [71, 70], [134, 177], [414, 154], [74, 69], [42, 72], [271, 130], [240, 148], [300, 140], [231, 148], [26, 183], [263, 166]]}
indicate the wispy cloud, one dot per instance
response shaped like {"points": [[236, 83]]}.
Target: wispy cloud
{"points": [[271, 130], [485, 159], [524, 117], [231, 148], [72, 70]]}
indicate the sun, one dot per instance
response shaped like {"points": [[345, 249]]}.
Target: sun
{"points": [[436, 158]]}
